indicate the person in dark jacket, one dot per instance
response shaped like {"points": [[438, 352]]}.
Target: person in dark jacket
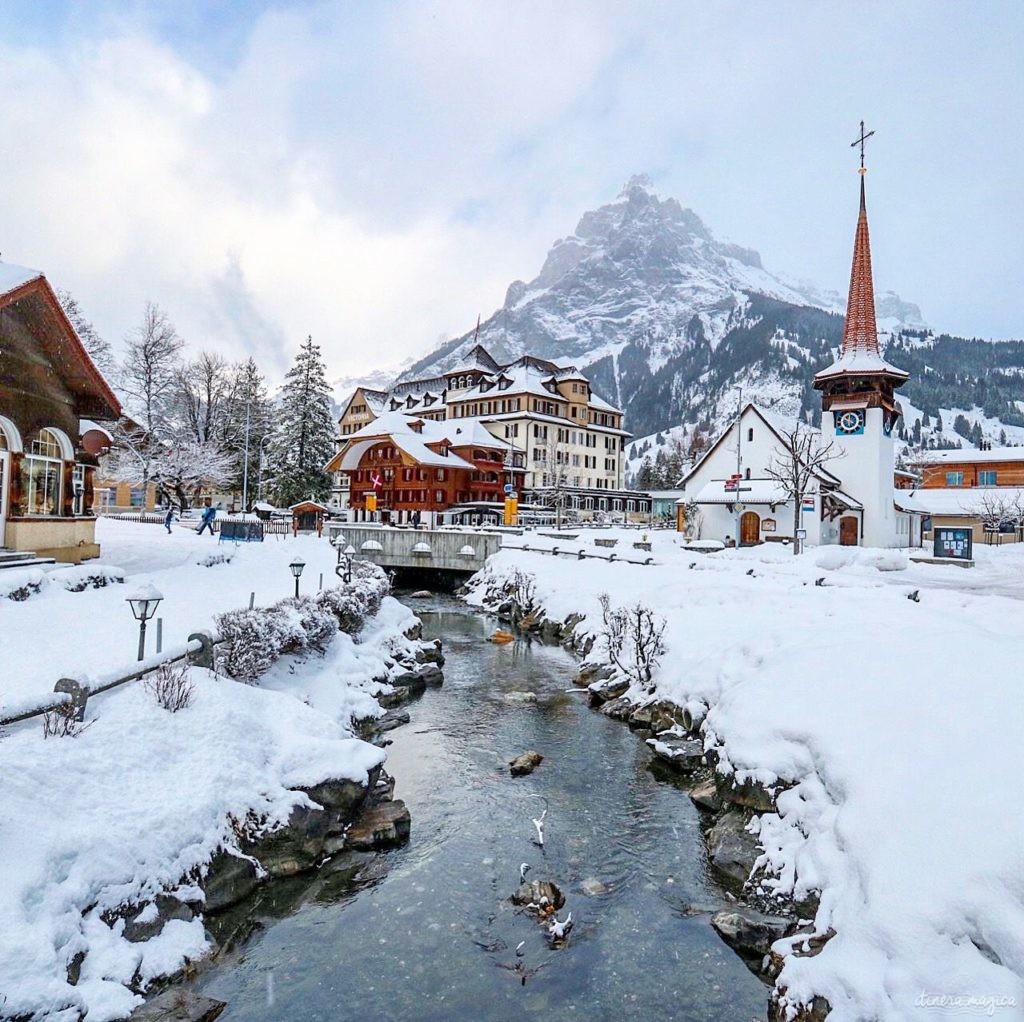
{"points": [[168, 518], [209, 513]]}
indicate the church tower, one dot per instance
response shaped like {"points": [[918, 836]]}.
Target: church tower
{"points": [[859, 407]]}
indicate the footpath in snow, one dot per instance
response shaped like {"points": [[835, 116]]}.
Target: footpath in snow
{"points": [[107, 837], [889, 727]]}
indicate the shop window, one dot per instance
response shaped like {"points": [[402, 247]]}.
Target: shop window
{"points": [[41, 472]]}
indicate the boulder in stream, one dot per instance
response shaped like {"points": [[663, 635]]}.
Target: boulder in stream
{"points": [[732, 849], [380, 826], [179, 1006], [525, 763], [539, 894]]}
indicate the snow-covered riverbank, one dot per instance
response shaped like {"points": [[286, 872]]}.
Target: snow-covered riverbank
{"points": [[106, 837], [894, 724]]}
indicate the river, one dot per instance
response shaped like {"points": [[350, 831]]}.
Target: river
{"points": [[426, 933]]}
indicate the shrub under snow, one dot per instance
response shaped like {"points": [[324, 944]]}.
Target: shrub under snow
{"points": [[254, 639]]}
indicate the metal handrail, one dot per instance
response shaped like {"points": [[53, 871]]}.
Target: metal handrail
{"points": [[71, 691], [580, 555]]}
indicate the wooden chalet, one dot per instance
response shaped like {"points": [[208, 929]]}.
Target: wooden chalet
{"points": [[48, 386], [426, 466]]}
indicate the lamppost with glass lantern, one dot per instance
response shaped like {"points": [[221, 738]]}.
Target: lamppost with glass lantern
{"points": [[296, 568], [345, 571], [144, 602]]}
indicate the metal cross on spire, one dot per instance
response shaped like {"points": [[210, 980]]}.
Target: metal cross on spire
{"points": [[860, 141]]}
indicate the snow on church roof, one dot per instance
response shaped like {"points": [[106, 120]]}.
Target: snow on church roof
{"points": [[752, 491]]}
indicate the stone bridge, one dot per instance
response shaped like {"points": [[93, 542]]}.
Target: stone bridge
{"points": [[420, 550]]}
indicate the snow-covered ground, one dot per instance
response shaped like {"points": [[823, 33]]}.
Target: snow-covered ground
{"points": [[897, 722], [142, 797], [57, 633]]}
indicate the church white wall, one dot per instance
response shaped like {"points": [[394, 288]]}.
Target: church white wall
{"points": [[758, 448], [866, 469]]}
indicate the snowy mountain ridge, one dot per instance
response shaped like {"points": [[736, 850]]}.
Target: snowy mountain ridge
{"points": [[669, 322]]}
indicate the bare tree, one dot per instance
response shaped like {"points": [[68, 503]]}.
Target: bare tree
{"points": [[801, 457], [201, 398], [997, 510], [98, 349], [149, 375]]}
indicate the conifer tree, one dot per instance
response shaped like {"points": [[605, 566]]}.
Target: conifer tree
{"points": [[303, 442]]}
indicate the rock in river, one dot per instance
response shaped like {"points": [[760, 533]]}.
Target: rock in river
{"points": [[539, 893], [379, 827], [525, 764]]}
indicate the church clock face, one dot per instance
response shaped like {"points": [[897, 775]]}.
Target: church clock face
{"points": [[850, 423]]}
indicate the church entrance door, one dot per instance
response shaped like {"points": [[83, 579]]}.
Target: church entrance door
{"points": [[750, 528], [848, 531]]}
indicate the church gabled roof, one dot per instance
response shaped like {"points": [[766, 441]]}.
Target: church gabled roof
{"points": [[860, 354]]}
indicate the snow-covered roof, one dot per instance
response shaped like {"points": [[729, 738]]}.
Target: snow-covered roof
{"points": [[598, 402], [779, 424], [88, 426], [963, 501], [12, 277], [751, 491], [970, 456], [397, 427], [861, 363]]}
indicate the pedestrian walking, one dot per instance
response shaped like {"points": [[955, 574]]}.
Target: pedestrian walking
{"points": [[209, 513], [168, 518]]}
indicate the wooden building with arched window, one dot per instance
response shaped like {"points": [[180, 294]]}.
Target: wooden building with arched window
{"points": [[48, 385]]}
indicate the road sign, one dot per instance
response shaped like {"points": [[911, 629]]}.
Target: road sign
{"points": [[509, 488], [740, 507]]}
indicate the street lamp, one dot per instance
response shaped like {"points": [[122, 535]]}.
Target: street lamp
{"points": [[144, 602], [347, 553], [296, 567]]}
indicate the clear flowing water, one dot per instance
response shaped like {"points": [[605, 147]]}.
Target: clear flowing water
{"points": [[426, 932]]}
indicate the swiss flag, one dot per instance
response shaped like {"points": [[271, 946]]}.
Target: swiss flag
{"points": [[376, 480]]}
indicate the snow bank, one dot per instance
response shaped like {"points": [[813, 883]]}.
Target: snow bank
{"points": [[899, 724], [140, 801], [130, 807]]}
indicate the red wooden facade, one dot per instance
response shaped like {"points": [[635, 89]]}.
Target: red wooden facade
{"points": [[407, 485]]}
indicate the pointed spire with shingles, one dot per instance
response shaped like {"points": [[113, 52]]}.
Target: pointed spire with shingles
{"points": [[860, 333]]}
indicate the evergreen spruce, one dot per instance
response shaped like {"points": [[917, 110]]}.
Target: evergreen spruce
{"points": [[304, 440]]}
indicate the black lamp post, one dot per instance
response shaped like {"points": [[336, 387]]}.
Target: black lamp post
{"points": [[144, 603], [348, 552], [296, 566]]}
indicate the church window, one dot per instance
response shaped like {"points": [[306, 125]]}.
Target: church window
{"points": [[747, 474], [750, 437]]}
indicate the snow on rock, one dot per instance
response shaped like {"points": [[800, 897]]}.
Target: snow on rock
{"points": [[94, 827], [859, 700]]}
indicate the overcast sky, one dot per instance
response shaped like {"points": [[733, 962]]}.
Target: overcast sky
{"points": [[376, 174]]}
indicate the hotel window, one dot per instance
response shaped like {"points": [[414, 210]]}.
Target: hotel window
{"points": [[954, 478], [41, 471], [987, 477]]}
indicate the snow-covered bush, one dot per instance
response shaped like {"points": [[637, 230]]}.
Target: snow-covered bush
{"points": [[93, 576], [316, 624], [352, 604], [171, 686], [254, 639], [344, 604], [634, 637], [216, 558], [20, 585]]}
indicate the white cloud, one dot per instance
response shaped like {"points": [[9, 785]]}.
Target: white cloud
{"points": [[377, 175]]}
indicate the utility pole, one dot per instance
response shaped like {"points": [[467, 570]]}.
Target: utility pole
{"points": [[245, 464]]}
